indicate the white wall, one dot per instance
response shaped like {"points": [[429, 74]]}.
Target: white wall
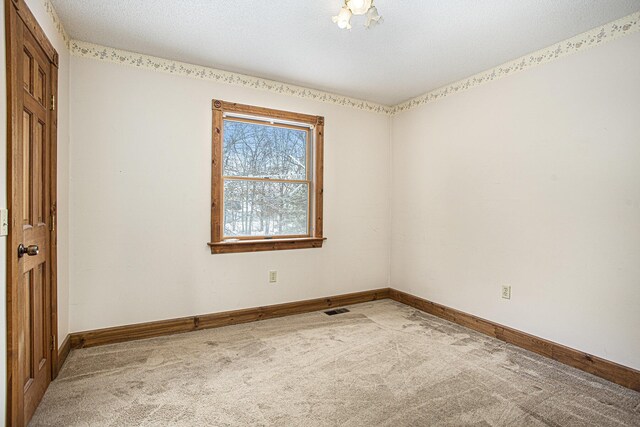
{"points": [[37, 7], [140, 202], [533, 181]]}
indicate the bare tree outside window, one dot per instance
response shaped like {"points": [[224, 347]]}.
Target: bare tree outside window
{"points": [[266, 179]]}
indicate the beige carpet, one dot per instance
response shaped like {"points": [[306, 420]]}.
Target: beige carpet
{"points": [[381, 364]]}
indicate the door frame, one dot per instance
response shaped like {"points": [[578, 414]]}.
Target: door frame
{"points": [[17, 13]]}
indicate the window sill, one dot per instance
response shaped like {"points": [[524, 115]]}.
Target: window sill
{"points": [[266, 245]]}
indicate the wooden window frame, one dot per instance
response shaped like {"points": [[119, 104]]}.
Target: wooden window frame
{"points": [[314, 238]]}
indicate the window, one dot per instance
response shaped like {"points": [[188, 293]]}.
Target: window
{"points": [[266, 189]]}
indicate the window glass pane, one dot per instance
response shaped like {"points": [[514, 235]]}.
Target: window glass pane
{"points": [[256, 150], [262, 208]]}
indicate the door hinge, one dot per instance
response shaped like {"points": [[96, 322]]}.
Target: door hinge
{"points": [[52, 342], [52, 219], [53, 103]]}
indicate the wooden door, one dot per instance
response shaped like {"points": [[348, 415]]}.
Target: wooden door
{"points": [[33, 76], [34, 337]]}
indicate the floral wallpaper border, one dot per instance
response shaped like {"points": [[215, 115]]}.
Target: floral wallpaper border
{"points": [[597, 36], [57, 22], [93, 51]]}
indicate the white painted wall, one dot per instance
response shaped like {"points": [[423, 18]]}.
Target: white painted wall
{"points": [[37, 7], [140, 202], [534, 181]]}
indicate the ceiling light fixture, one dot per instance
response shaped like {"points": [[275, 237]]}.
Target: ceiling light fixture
{"points": [[357, 7]]}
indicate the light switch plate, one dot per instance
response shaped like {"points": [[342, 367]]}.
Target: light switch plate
{"points": [[4, 222]]}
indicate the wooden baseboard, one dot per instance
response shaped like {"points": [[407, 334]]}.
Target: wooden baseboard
{"points": [[63, 352], [194, 323], [611, 371]]}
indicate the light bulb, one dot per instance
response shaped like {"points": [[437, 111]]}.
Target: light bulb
{"points": [[359, 7], [343, 18], [373, 18]]}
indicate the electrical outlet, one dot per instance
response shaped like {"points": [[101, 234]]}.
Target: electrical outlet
{"points": [[506, 291], [4, 222], [273, 276]]}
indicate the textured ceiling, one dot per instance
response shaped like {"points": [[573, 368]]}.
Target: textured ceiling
{"points": [[422, 45]]}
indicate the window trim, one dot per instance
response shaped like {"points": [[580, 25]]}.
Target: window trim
{"points": [[315, 238]]}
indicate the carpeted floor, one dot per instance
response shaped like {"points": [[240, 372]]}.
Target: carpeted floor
{"points": [[383, 363]]}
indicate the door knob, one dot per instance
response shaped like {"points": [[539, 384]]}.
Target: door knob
{"points": [[31, 250]]}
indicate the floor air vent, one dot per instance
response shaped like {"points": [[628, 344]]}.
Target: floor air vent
{"points": [[336, 311]]}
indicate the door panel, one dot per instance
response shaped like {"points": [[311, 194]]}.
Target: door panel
{"points": [[27, 362], [26, 160], [37, 171], [40, 85], [27, 68]]}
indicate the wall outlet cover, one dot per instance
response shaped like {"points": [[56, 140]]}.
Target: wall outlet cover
{"points": [[273, 276], [506, 291]]}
